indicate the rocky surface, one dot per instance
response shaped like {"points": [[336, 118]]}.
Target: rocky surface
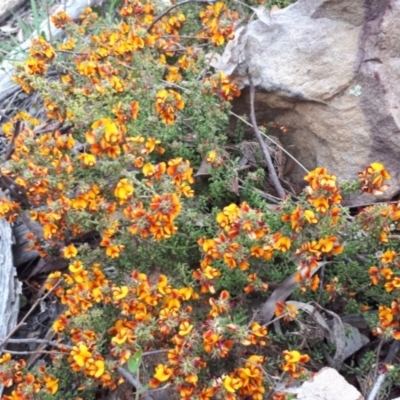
{"points": [[329, 70], [7, 7]]}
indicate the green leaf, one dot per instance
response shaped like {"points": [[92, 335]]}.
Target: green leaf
{"points": [[142, 389], [135, 361]]}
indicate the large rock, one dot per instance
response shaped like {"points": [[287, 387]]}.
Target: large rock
{"points": [[329, 70], [7, 7]]}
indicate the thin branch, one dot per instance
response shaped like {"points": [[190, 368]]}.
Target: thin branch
{"points": [[321, 282], [135, 382], [271, 170], [150, 353], [41, 341], [160, 388], [168, 10], [27, 353], [7, 338]]}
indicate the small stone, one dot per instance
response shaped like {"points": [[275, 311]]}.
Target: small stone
{"points": [[328, 384]]}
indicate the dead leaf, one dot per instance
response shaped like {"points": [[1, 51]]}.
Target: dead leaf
{"points": [[204, 169], [48, 265], [282, 292], [234, 187]]}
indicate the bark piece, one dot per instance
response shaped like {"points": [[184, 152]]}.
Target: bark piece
{"points": [[10, 287]]}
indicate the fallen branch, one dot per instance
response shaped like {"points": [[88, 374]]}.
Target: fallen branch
{"points": [[135, 382], [271, 170], [40, 341]]}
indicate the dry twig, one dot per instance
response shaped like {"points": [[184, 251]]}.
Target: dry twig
{"points": [[271, 170], [133, 381]]}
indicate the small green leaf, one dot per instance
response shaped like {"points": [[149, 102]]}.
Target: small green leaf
{"points": [[135, 361], [142, 389]]}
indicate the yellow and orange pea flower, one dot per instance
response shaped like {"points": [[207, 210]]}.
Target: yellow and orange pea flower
{"points": [[162, 374], [41, 49], [124, 190], [292, 360], [81, 354], [388, 257], [290, 310], [167, 102], [232, 384], [61, 19], [373, 177], [185, 328]]}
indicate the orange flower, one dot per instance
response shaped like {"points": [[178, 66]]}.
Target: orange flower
{"points": [[113, 251], [185, 328], [123, 190], [167, 101], [81, 354], [70, 251], [373, 177], [134, 109], [162, 373], [210, 338], [231, 384], [320, 204], [51, 384], [120, 293], [95, 368], [60, 19], [88, 159], [295, 357], [388, 256], [49, 230], [283, 244]]}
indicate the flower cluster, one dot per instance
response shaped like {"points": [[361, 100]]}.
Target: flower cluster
{"points": [[222, 86], [322, 190], [152, 313], [247, 381], [237, 224], [167, 101], [28, 386], [387, 272], [373, 179], [219, 23], [389, 320]]}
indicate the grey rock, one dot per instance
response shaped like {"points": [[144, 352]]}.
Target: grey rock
{"points": [[329, 70], [7, 7], [328, 384]]}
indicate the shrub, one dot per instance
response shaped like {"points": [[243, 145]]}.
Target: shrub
{"points": [[165, 270]]}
